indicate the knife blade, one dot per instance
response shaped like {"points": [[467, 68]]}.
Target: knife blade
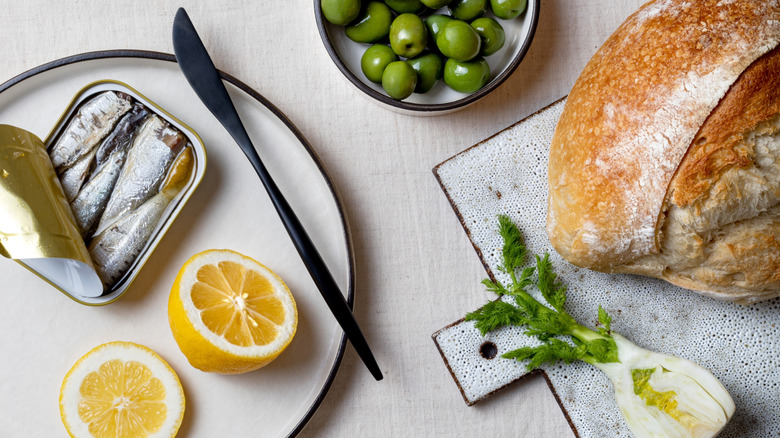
{"points": [[204, 78]]}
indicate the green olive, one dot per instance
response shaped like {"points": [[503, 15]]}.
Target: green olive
{"points": [[491, 33], [408, 35], [374, 61], [340, 12], [468, 10], [399, 80], [434, 23], [429, 67], [372, 25], [458, 40], [466, 77], [436, 4], [404, 6], [508, 9]]}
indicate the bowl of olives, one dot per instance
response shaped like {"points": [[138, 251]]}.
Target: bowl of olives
{"points": [[427, 56]]}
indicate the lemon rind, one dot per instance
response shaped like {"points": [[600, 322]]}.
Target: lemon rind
{"points": [[125, 351], [188, 278]]}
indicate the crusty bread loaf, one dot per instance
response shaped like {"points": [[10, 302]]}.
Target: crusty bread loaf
{"points": [[666, 160]]}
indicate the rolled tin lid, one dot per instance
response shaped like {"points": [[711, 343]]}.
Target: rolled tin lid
{"points": [[37, 227]]}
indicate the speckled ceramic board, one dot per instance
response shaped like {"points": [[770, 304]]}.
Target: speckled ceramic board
{"points": [[507, 174]]}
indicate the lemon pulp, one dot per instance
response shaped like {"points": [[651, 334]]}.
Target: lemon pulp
{"points": [[121, 390], [238, 304], [229, 313]]}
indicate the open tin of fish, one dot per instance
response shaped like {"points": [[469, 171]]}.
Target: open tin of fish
{"points": [[85, 208]]}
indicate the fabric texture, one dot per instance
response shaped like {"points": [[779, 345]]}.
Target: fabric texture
{"points": [[416, 269]]}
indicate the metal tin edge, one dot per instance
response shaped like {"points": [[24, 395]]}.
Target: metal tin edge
{"points": [[178, 203]]}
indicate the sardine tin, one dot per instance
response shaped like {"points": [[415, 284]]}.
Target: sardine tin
{"points": [[170, 213]]}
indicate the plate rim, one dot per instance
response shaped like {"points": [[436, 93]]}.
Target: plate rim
{"points": [[161, 56]]}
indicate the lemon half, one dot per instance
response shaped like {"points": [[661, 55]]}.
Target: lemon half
{"points": [[230, 314], [121, 390]]}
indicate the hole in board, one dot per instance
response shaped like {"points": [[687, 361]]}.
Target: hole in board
{"points": [[488, 350]]}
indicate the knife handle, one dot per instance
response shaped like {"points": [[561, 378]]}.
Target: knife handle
{"points": [[319, 272], [204, 78]]}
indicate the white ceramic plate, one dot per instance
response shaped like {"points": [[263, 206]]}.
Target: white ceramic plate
{"points": [[45, 332], [346, 54]]}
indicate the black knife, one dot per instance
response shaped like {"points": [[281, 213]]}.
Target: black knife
{"points": [[200, 72]]}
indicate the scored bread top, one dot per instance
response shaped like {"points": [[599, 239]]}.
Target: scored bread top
{"points": [[715, 149], [632, 115]]}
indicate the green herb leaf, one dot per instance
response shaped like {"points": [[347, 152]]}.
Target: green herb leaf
{"points": [[605, 320], [552, 290], [495, 287], [525, 280], [545, 323], [549, 352], [496, 314], [514, 250], [602, 350]]}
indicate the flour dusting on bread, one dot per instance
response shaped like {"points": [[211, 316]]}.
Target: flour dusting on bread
{"points": [[628, 127]]}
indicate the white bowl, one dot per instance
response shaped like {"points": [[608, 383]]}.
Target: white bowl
{"points": [[441, 99]]}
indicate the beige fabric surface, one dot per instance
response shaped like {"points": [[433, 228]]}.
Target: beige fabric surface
{"points": [[416, 270]]}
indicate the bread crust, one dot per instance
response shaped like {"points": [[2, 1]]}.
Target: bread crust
{"points": [[754, 98], [720, 235], [632, 115]]}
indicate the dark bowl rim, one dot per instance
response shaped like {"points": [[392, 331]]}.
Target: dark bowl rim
{"points": [[424, 107]]}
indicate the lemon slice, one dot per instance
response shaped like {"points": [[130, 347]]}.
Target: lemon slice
{"points": [[121, 390], [230, 314]]}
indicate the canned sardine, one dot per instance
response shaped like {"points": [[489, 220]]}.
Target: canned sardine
{"points": [[125, 168]]}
